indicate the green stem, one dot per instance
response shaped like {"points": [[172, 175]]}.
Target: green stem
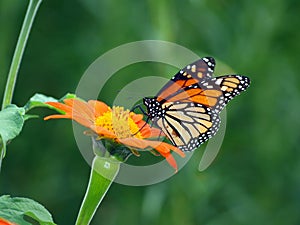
{"points": [[103, 172], [2, 151], [15, 64]]}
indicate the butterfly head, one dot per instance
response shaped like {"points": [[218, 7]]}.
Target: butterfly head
{"points": [[154, 108]]}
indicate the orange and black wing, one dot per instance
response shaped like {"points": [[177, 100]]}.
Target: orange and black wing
{"points": [[214, 93], [230, 86], [193, 73], [191, 114]]}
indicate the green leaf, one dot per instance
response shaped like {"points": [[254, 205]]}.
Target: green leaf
{"points": [[39, 100], [14, 210], [67, 96], [11, 123]]}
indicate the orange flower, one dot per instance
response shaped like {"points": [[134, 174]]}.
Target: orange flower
{"points": [[115, 123], [5, 222]]}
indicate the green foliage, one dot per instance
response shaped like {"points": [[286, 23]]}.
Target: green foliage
{"points": [[11, 123], [12, 118], [17, 209], [39, 100]]}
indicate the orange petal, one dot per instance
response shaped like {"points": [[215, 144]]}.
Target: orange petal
{"points": [[78, 119], [66, 116], [75, 109], [60, 106], [175, 149], [134, 142], [155, 132], [82, 108], [103, 132], [136, 117], [98, 107], [83, 121], [161, 147], [5, 222], [140, 123], [146, 133], [170, 159], [69, 101]]}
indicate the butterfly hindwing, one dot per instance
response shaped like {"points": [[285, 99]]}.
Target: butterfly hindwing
{"points": [[188, 125], [231, 86]]}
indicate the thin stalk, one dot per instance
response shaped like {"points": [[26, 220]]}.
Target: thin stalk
{"points": [[2, 151], [103, 172], [16, 61], [22, 40]]}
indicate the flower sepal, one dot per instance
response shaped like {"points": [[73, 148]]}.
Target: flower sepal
{"points": [[110, 149]]}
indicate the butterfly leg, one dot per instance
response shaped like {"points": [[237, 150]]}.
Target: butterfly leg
{"points": [[140, 108], [146, 122], [159, 138]]}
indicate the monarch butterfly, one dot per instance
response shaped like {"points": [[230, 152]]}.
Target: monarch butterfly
{"points": [[187, 108]]}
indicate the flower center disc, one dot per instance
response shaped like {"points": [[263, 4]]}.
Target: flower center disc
{"points": [[119, 122]]}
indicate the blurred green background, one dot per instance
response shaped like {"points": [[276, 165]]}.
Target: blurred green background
{"points": [[255, 178]]}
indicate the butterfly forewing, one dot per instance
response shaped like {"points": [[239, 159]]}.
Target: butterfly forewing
{"points": [[189, 75]]}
